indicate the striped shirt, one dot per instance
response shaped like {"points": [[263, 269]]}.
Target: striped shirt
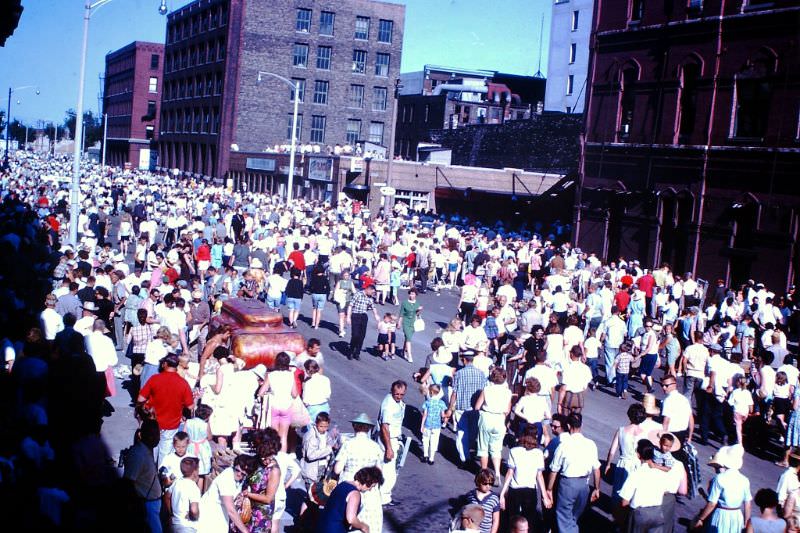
{"points": [[490, 504]]}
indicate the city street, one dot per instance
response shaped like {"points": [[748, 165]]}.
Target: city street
{"points": [[427, 493]]}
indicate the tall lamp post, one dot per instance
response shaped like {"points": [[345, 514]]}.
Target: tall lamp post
{"points": [[296, 89], [74, 207], [8, 111]]}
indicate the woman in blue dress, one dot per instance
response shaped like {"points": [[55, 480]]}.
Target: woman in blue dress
{"points": [[340, 514], [728, 492], [635, 313]]}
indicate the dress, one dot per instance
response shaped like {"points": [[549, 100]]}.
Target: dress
{"points": [[793, 426], [197, 429], [261, 520], [729, 489], [635, 316], [333, 518], [628, 461], [224, 420], [408, 312]]}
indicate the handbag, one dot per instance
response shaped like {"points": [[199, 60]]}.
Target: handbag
{"points": [[246, 512], [340, 297], [419, 325], [300, 415]]}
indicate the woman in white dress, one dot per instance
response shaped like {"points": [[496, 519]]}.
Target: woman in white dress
{"points": [[221, 396]]}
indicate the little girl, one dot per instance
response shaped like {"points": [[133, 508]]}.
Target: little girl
{"points": [[200, 440], [433, 416], [622, 364], [742, 402], [386, 329], [482, 304], [781, 398], [395, 280]]}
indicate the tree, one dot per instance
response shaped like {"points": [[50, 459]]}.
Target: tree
{"points": [[2, 120], [17, 132], [92, 126]]}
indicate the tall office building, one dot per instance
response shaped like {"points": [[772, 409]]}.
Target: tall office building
{"points": [[345, 56], [568, 58], [131, 99]]}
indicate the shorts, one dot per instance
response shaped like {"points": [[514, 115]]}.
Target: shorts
{"points": [[293, 303], [385, 338], [124, 238], [274, 303], [781, 406], [318, 301], [452, 267], [203, 265], [281, 416], [572, 400], [648, 364]]}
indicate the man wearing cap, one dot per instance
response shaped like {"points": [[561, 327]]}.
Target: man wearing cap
{"points": [[357, 453], [357, 316], [393, 410], [166, 393], [51, 321], [85, 324]]}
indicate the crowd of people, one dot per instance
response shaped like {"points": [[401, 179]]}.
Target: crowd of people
{"points": [[539, 327]]}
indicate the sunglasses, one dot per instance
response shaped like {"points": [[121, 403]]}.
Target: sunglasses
{"points": [[554, 426]]}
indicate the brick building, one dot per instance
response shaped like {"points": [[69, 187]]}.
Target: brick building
{"points": [[440, 97], [131, 99], [344, 54], [692, 148]]}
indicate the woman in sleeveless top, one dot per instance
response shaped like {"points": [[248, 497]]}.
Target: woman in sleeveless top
{"points": [[340, 514], [625, 440]]}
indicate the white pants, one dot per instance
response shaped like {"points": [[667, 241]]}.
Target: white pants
{"points": [[430, 442], [389, 474]]}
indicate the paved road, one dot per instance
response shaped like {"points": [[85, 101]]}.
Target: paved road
{"points": [[426, 492]]}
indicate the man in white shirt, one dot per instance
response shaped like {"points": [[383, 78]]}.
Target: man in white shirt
{"points": [[643, 491], [101, 349], [696, 356], [719, 384], [574, 461], [677, 411], [390, 421], [52, 323], [612, 333], [788, 483]]}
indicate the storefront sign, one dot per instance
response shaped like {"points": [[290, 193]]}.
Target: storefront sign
{"points": [[357, 164], [256, 163], [319, 168]]}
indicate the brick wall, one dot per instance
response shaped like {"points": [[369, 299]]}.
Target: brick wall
{"points": [[546, 142]]}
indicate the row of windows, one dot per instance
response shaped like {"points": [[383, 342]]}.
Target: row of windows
{"points": [[192, 120], [355, 94], [204, 21], [199, 86], [195, 55], [327, 21], [325, 55], [318, 125]]}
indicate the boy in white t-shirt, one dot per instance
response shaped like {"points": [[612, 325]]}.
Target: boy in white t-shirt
{"points": [[591, 350], [185, 498]]}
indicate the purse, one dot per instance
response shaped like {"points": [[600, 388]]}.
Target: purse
{"points": [[300, 416], [246, 513], [419, 325]]}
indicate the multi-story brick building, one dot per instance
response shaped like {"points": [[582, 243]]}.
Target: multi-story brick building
{"points": [[692, 143], [344, 54], [131, 100], [568, 55]]}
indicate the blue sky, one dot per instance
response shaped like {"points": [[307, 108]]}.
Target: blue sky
{"points": [[45, 50]]}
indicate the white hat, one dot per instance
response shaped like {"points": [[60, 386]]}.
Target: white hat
{"points": [[442, 356], [256, 263], [260, 371]]}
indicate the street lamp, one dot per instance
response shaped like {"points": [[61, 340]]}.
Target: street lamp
{"points": [[8, 111], [74, 208], [296, 88]]}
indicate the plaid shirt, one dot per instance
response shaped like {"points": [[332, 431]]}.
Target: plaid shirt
{"points": [[140, 336], [361, 303], [467, 383], [624, 360]]}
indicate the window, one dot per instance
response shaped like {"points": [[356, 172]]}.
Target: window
{"points": [[569, 110], [151, 110], [627, 102], [359, 61], [379, 98], [152, 86], [317, 129], [753, 96], [573, 51], [385, 28], [149, 131], [300, 58], [324, 57], [298, 129], [688, 101], [376, 132], [570, 83], [320, 92], [355, 98], [353, 131], [153, 61], [362, 28], [381, 64], [326, 23], [575, 17], [303, 20], [695, 6], [427, 112], [301, 90], [637, 10]]}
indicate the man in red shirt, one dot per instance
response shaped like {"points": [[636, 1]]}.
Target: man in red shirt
{"points": [[297, 258], [622, 298], [166, 393], [646, 284]]}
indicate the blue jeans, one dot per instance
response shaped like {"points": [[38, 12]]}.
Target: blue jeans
{"points": [[592, 364], [622, 384], [152, 511], [610, 355], [273, 303]]}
